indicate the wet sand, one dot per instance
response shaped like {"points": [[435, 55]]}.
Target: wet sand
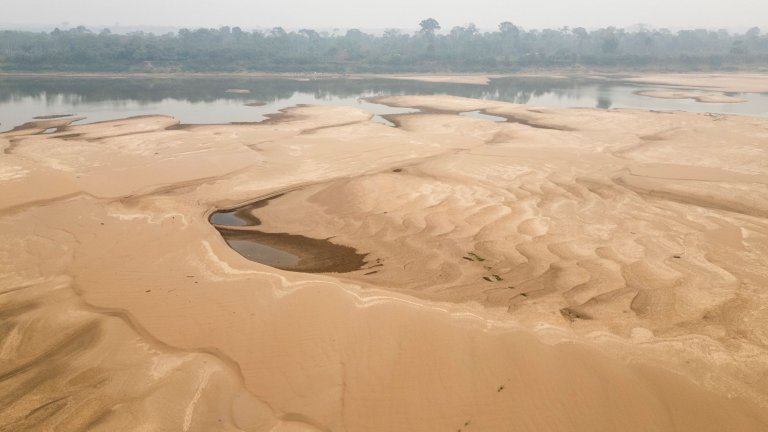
{"points": [[564, 270]]}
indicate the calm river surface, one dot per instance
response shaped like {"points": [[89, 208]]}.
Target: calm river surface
{"points": [[207, 100]]}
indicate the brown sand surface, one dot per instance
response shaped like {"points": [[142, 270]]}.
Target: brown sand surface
{"points": [[704, 97], [581, 270]]}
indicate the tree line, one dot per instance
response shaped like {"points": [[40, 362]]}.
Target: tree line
{"points": [[460, 49]]}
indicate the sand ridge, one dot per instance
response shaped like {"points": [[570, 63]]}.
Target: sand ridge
{"points": [[578, 270]]}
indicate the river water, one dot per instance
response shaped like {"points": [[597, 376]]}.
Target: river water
{"points": [[211, 100]]}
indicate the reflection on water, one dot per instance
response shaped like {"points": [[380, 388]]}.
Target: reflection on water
{"points": [[604, 102], [264, 254], [206, 100]]}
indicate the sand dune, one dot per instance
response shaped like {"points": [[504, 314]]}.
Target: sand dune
{"points": [[581, 270]]}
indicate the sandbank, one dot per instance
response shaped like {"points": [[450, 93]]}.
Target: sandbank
{"points": [[568, 269]]}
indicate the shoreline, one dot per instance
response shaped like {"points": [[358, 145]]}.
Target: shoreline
{"points": [[726, 82]]}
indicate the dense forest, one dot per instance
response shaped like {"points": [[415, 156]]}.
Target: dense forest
{"points": [[461, 49]]}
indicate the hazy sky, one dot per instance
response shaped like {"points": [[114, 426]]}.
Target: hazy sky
{"points": [[406, 14]]}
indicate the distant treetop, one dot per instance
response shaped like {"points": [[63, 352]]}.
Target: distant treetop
{"points": [[429, 26]]}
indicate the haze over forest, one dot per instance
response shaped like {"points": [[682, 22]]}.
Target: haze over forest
{"points": [[374, 37], [432, 48], [735, 15]]}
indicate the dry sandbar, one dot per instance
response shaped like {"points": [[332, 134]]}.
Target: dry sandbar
{"points": [[568, 269]]}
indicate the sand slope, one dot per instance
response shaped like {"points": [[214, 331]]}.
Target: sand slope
{"points": [[565, 270]]}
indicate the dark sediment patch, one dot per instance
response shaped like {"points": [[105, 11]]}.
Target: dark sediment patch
{"points": [[71, 136], [293, 252], [530, 123], [284, 251], [573, 314]]}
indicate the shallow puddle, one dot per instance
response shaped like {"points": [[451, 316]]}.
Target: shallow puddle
{"points": [[264, 254], [282, 250], [230, 218]]}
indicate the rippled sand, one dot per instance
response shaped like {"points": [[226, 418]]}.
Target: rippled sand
{"points": [[577, 270]]}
